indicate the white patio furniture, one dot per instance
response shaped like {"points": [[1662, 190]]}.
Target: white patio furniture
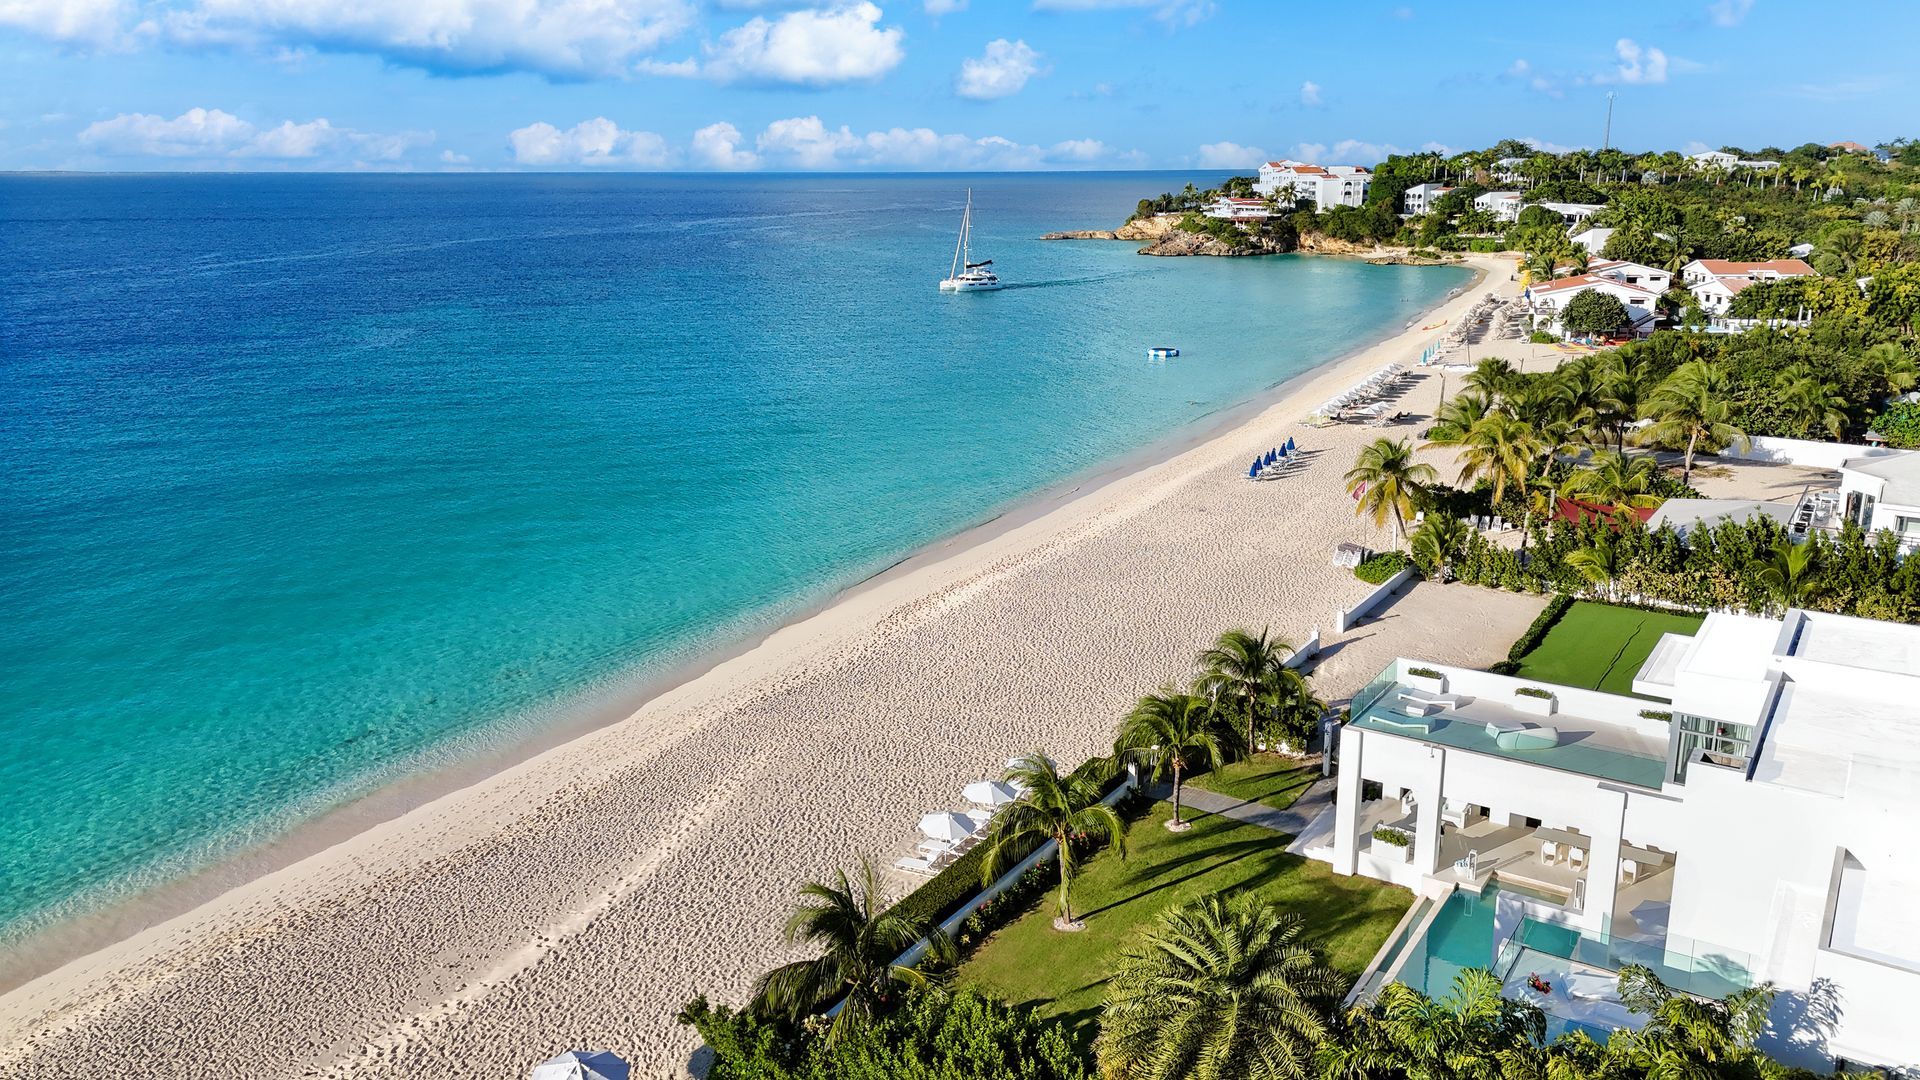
{"points": [[1577, 858], [1496, 728], [1549, 852], [913, 866], [1629, 871]]}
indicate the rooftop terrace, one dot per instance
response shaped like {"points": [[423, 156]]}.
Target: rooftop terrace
{"points": [[1478, 716]]}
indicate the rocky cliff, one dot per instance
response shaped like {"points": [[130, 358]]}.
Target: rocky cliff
{"points": [[1182, 242]]}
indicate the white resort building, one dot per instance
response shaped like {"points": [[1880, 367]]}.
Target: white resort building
{"points": [[1748, 818], [1548, 300], [1419, 198], [1503, 205], [1715, 282], [1231, 208], [1327, 186]]}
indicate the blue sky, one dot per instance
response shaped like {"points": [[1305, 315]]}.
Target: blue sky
{"points": [[926, 84]]}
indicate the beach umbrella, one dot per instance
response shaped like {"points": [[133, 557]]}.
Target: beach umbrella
{"points": [[989, 792], [947, 825], [582, 1065], [1289, 444], [1254, 470]]}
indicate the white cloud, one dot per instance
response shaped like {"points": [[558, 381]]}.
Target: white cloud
{"points": [[595, 142], [937, 8], [1310, 93], [75, 22], [559, 38], [448, 157], [1171, 12], [1522, 71], [1345, 152], [1728, 12], [215, 133], [813, 47], [1077, 150], [1638, 65], [717, 146], [805, 142], [1003, 70], [1230, 155]]}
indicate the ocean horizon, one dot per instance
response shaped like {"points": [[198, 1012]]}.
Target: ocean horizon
{"points": [[316, 481]]}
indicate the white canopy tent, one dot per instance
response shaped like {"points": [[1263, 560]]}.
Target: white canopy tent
{"points": [[582, 1065]]}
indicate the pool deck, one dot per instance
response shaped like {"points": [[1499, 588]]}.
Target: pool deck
{"points": [[1591, 747]]}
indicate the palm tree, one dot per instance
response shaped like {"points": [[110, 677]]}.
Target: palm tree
{"points": [[1490, 378], [1614, 479], [1057, 808], [1892, 366], [1691, 406], [1601, 563], [1171, 732], [1437, 542], [859, 937], [1386, 480], [1217, 991], [1240, 668], [1687, 1036], [1500, 449], [1788, 573], [1292, 709], [1456, 418], [1806, 401], [1473, 1032]]}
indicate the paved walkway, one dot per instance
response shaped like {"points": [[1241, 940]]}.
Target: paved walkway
{"points": [[1292, 821]]}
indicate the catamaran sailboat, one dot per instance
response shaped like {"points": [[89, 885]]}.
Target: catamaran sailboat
{"points": [[966, 275]]}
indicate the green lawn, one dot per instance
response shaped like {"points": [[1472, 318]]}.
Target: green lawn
{"points": [[1028, 962], [1600, 647], [1264, 778]]}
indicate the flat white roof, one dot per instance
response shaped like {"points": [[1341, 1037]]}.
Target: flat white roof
{"points": [[1869, 644], [1900, 471], [1687, 514], [1851, 730], [1731, 646]]}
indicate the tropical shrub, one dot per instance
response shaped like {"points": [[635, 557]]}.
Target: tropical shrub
{"points": [[1378, 568], [934, 1035], [1533, 692], [1392, 837]]}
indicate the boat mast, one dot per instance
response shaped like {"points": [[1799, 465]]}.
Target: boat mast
{"points": [[960, 245]]}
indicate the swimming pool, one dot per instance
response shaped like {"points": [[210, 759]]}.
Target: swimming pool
{"points": [[1461, 937]]}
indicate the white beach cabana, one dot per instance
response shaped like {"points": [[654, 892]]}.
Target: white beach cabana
{"points": [[989, 793], [947, 826], [582, 1065]]}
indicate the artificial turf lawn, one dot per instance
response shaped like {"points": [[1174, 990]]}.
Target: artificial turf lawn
{"points": [[1601, 647], [1064, 974], [1265, 778]]}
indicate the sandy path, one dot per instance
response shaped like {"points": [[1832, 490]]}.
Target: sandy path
{"points": [[579, 898]]}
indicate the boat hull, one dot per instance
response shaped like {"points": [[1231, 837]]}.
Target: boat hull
{"points": [[954, 285]]}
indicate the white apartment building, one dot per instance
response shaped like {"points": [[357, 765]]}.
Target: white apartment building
{"points": [[1754, 823], [1328, 186], [1507, 170], [1593, 238], [1419, 198], [1549, 300]]}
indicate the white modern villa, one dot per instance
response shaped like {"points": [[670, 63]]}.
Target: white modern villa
{"points": [[1326, 185], [1547, 300], [1715, 282], [1419, 198], [1749, 817]]}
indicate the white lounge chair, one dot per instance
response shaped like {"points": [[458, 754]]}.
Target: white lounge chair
{"points": [[1549, 852], [1629, 871], [914, 866], [1446, 700], [1577, 858]]}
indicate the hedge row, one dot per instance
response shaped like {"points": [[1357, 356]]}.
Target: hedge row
{"points": [[1536, 633], [1376, 569]]}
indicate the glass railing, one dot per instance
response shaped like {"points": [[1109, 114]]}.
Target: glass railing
{"points": [[1371, 693], [1684, 964]]}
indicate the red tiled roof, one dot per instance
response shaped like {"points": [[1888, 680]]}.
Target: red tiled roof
{"points": [[1579, 510], [1782, 267], [1584, 280]]}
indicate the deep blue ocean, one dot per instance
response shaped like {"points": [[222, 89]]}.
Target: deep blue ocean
{"points": [[308, 481]]}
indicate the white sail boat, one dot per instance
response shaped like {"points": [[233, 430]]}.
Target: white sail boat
{"points": [[966, 275]]}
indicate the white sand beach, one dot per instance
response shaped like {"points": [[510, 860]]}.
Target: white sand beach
{"points": [[579, 898]]}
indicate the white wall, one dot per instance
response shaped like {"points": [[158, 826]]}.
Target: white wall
{"points": [[1813, 455]]}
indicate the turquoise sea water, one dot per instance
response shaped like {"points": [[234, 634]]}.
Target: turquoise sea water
{"points": [[309, 481]]}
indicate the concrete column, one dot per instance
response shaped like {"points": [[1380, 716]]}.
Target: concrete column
{"points": [[1603, 860], [1346, 830], [1426, 795]]}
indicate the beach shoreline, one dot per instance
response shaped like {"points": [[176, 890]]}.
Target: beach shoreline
{"points": [[45, 949], [401, 829]]}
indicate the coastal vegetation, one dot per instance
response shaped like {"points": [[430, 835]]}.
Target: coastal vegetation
{"points": [[1064, 809]]}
